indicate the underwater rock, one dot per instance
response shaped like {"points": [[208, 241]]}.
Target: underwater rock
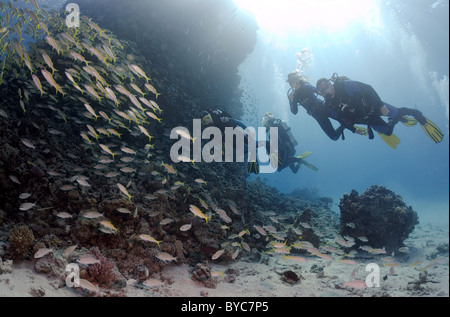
{"points": [[202, 274], [37, 172], [6, 266], [308, 234], [37, 292], [8, 154], [318, 269], [442, 248], [290, 277], [51, 266], [379, 215]]}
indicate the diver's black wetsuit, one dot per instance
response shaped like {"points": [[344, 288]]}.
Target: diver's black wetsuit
{"points": [[306, 96], [286, 149], [222, 120], [356, 102]]}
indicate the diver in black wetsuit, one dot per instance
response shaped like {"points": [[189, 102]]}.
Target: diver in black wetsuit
{"points": [[286, 145], [222, 120], [356, 102], [304, 94]]}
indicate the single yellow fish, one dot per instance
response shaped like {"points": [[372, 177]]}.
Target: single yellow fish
{"points": [[146, 237], [91, 111], [111, 95], [153, 116], [84, 136], [128, 150], [196, 211], [152, 90], [169, 168], [51, 81], [200, 181], [415, 263], [49, 62], [53, 43], [138, 71], [124, 190], [112, 131], [144, 131], [108, 227], [92, 92], [184, 134], [137, 89], [77, 56], [107, 149], [203, 203], [295, 258], [37, 83]]}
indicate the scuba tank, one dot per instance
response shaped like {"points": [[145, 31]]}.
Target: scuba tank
{"points": [[287, 128]]}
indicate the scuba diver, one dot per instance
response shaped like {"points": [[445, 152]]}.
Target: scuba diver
{"points": [[303, 93], [286, 145], [356, 102], [222, 120]]}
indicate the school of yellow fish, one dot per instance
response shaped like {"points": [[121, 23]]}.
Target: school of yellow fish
{"points": [[88, 68]]}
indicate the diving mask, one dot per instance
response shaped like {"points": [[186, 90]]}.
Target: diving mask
{"points": [[294, 85]]}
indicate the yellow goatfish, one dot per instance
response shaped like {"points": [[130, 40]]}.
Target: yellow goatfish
{"points": [[37, 83], [49, 62], [51, 81], [91, 111], [169, 168], [77, 56], [107, 150], [138, 71], [196, 211], [124, 190], [53, 43], [107, 227], [144, 131], [146, 237]]}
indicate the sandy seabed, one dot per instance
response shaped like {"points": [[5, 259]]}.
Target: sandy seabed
{"points": [[423, 271]]}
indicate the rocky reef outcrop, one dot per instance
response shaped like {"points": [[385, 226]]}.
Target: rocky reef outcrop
{"points": [[379, 215]]}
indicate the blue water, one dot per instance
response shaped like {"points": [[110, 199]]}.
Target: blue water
{"points": [[406, 60]]}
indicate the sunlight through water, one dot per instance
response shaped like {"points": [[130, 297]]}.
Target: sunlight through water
{"points": [[283, 17]]}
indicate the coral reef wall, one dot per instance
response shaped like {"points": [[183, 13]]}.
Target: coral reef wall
{"points": [[200, 42]]}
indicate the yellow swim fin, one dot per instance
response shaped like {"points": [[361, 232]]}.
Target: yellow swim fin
{"points": [[304, 155], [365, 131], [300, 161], [408, 121], [391, 140], [253, 167], [433, 132]]}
